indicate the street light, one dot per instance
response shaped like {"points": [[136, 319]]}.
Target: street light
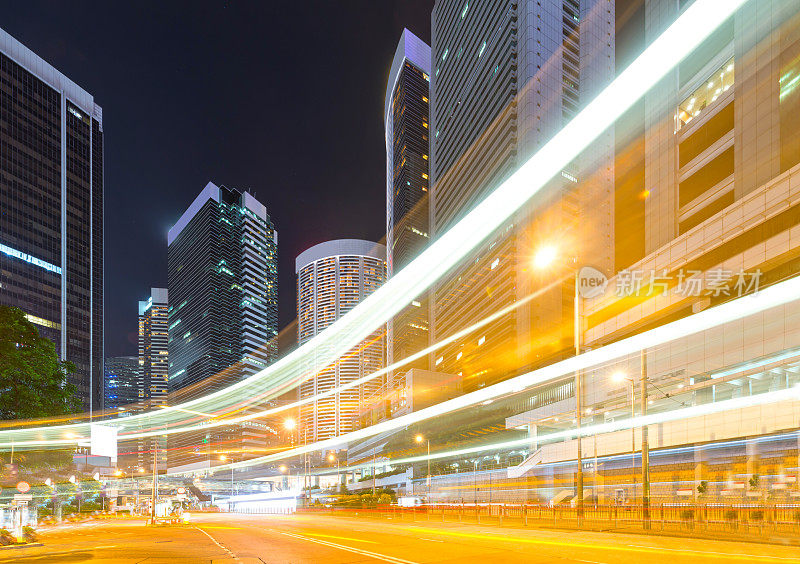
{"points": [[619, 377], [543, 258], [419, 439], [331, 458]]}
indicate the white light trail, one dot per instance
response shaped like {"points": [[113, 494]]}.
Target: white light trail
{"points": [[775, 296], [675, 43]]}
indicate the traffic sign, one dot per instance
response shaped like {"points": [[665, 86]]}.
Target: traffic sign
{"points": [[23, 486], [23, 497]]}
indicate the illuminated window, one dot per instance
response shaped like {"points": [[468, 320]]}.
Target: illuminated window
{"points": [[707, 93], [482, 340], [424, 98]]}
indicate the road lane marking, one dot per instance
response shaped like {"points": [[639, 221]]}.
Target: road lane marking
{"points": [[216, 527], [616, 548], [375, 555], [230, 553], [340, 538], [431, 540]]}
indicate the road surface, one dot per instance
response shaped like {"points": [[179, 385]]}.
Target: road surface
{"points": [[247, 539]]}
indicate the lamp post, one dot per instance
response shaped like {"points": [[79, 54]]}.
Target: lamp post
{"points": [[618, 377], [419, 439], [331, 458], [543, 258]]}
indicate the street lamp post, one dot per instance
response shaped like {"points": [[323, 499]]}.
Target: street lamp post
{"points": [[645, 448], [620, 377], [331, 458], [419, 439], [544, 257]]}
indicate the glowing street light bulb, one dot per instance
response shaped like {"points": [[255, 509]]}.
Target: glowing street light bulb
{"points": [[141, 470], [48, 482], [290, 424], [72, 478], [96, 476], [331, 458], [544, 257], [282, 468], [419, 438], [223, 458], [618, 377]]}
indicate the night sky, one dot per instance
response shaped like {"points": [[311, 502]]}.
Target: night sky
{"points": [[284, 99]]}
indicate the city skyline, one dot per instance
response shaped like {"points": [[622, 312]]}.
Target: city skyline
{"points": [[132, 80]]}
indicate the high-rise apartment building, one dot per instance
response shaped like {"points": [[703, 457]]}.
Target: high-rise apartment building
{"points": [[506, 75], [51, 209], [153, 349], [407, 130], [121, 386], [223, 318], [223, 287], [332, 278]]}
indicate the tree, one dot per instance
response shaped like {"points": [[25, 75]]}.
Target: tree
{"points": [[33, 381]]}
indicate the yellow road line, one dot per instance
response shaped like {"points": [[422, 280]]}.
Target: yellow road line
{"points": [[335, 537], [618, 548]]}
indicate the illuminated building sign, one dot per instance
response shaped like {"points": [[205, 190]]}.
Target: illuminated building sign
{"points": [[29, 259]]}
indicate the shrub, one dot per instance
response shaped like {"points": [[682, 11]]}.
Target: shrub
{"points": [[687, 514], [730, 514]]}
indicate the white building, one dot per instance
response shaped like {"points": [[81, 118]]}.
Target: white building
{"points": [[332, 278]]}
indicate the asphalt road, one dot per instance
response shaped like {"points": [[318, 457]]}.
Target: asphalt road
{"points": [[246, 539]]}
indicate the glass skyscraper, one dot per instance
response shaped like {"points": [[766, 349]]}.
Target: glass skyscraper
{"points": [[223, 291], [223, 314], [407, 130], [121, 387], [51, 209]]}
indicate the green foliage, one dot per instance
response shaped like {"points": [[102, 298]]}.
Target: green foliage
{"points": [[702, 487], [754, 481], [33, 382]]}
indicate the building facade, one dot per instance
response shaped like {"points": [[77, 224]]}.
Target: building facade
{"points": [[332, 278], [121, 385], [223, 275], [51, 209], [506, 76], [223, 318], [407, 130], [153, 350]]}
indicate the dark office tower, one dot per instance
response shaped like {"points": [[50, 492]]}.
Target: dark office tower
{"points": [[153, 349], [506, 75], [407, 128], [121, 386], [223, 321], [223, 287], [51, 209]]}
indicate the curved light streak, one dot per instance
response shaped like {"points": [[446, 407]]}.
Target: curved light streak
{"points": [[663, 54], [775, 296], [586, 431]]}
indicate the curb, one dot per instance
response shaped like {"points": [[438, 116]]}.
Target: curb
{"points": [[21, 545]]}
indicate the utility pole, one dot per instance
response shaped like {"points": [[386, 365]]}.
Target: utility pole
{"points": [[373, 471], [645, 450], [578, 399], [155, 481]]}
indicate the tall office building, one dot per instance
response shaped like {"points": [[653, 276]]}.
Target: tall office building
{"points": [[332, 278], [51, 209], [223, 321], [506, 76], [223, 287], [153, 349], [407, 129], [121, 386]]}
